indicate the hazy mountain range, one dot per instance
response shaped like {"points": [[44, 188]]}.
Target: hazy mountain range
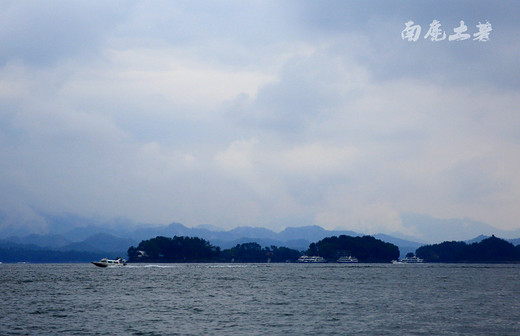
{"points": [[75, 233], [435, 230], [97, 239]]}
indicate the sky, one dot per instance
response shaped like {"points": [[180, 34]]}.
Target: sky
{"points": [[259, 113]]}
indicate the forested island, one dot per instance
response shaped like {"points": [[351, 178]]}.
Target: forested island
{"points": [[193, 249], [490, 250], [365, 249]]}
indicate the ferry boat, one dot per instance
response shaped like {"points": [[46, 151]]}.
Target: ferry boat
{"points": [[347, 260], [109, 262], [409, 260], [311, 259]]}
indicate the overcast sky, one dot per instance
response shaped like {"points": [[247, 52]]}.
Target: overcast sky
{"points": [[259, 113]]}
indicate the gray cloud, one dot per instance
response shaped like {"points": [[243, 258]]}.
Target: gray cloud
{"points": [[44, 32], [268, 114], [379, 24]]}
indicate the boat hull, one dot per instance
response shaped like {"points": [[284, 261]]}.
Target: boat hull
{"points": [[99, 264]]}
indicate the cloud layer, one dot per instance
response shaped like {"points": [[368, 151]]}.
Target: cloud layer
{"points": [[267, 114]]}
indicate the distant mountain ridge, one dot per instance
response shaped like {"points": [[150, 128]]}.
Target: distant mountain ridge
{"points": [[75, 233], [434, 230], [101, 242], [422, 228], [99, 239]]}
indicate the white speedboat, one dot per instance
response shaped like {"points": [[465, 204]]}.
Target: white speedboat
{"points": [[311, 259], [109, 262], [347, 260]]}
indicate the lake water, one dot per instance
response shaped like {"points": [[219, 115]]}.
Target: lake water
{"points": [[260, 299]]}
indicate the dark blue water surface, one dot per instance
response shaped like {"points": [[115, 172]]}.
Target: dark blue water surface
{"points": [[260, 299]]}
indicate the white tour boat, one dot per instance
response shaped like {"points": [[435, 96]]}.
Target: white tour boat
{"points": [[409, 260], [311, 259], [347, 260]]}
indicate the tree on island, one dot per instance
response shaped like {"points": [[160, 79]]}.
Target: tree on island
{"points": [[193, 249], [253, 252], [176, 249], [366, 248], [282, 254], [492, 249], [247, 252]]}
